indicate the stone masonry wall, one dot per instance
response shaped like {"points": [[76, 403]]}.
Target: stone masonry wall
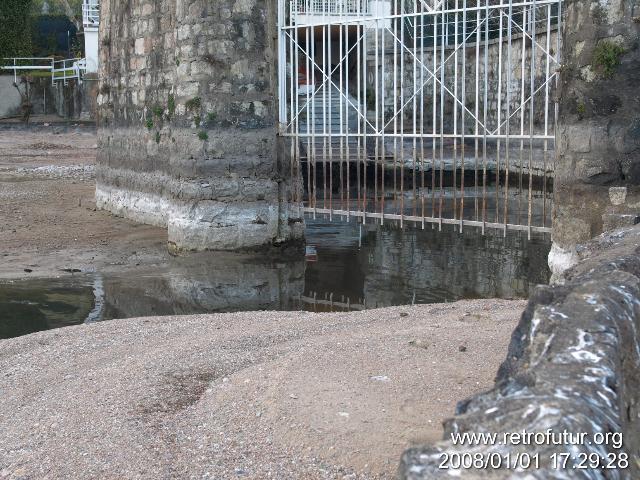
{"points": [[186, 134], [493, 90], [573, 365], [598, 139]]}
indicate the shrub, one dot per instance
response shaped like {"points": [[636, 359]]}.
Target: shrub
{"points": [[606, 56], [193, 104], [171, 104], [202, 135]]}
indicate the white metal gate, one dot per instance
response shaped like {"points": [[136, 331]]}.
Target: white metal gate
{"points": [[427, 111]]}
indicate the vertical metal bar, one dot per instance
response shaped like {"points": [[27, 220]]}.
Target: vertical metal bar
{"points": [[442, 97], [477, 114], [330, 87], [359, 99], [508, 115], [402, 55], [523, 109], [463, 109], [376, 112], [313, 120], [300, 183], [347, 126], [292, 95], [395, 107], [455, 112], [499, 131], [422, 85], [434, 111], [485, 108], [546, 118], [308, 118], [364, 121], [532, 66], [415, 106], [340, 105], [324, 110], [383, 102]]}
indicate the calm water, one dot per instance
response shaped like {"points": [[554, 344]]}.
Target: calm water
{"points": [[356, 267]]}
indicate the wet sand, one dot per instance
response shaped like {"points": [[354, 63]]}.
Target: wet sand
{"points": [[48, 221], [246, 395]]}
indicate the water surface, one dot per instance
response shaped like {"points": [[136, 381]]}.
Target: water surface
{"points": [[357, 266]]}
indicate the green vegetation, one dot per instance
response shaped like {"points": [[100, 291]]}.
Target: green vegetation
{"points": [[158, 110], [197, 120], [171, 105], [194, 104], [581, 109], [202, 135], [149, 123], [15, 30], [211, 117], [157, 137], [606, 57]]}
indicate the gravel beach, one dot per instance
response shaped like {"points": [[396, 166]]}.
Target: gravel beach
{"points": [[243, 395]]}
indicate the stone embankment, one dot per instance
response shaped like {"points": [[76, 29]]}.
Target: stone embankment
{"points": [[572, 366]]}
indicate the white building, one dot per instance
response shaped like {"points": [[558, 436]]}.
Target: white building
{"points": [[91, 21]]}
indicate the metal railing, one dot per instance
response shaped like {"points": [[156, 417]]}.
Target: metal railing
{"points": [[60, 70], [462, 133], [91, 13], [329, 7]]}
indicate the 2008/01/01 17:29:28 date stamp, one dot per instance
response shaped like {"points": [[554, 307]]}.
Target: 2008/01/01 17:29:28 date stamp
{"points": [[602, 459]]}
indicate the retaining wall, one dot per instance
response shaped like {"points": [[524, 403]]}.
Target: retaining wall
{"points": [[74, 101], [573, 365], [598, 137]]}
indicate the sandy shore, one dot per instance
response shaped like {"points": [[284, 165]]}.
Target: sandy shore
{"points": [[248, 395], [48, 220]]}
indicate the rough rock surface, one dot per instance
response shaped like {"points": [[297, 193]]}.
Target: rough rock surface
{"points": [[598, 136], [573, 365]]}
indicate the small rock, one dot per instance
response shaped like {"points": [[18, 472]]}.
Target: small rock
{"points": [[419, 344], [28, 270], [404, 314], [295, 397], [462, 348]]}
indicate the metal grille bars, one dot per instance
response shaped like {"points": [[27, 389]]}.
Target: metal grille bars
{"points": [[434, 112]]}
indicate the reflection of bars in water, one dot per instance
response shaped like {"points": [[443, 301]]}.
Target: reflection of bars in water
{"points": [[328, 302], [485, 82]]}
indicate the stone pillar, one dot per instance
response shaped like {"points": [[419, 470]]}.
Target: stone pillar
{"points": [[598, 138], [187, 122]]}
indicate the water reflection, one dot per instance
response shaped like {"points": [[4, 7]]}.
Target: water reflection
{"points": [[355, 267], [397, 266]]}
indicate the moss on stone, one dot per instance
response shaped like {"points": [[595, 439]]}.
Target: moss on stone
{"points": [[606, 57], [193, 104]]}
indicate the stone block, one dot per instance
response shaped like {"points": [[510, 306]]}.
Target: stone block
{"points": [[618, 195], [614, 221]]}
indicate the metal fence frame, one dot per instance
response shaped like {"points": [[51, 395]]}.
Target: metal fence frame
{"points": [[515, 122]]}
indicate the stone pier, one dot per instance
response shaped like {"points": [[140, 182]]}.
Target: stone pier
{"points": [[598, 149], [187, 123]]}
